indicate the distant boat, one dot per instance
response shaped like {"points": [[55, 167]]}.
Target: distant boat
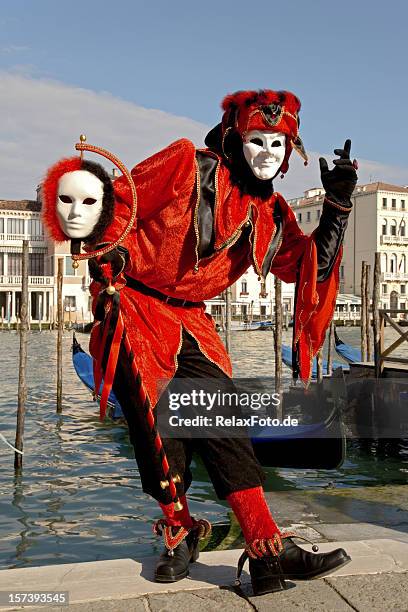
{"points": [[287, 360], [316, 445], [349, 353]]}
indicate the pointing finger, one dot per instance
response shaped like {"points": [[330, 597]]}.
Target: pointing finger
{"points": [[347, 147]]}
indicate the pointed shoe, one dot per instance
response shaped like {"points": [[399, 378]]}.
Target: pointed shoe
{"points": [[274, 560], [173, 564], [299, 564]]}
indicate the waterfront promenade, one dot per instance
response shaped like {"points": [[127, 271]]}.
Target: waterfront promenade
{"points": [[375, 580]]}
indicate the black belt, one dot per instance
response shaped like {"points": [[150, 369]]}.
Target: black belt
{"points": [[172, 301]]}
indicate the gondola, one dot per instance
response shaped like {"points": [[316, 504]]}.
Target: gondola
{"points": [[83, 365], [319, 445], [287, 360], [349, 353]]}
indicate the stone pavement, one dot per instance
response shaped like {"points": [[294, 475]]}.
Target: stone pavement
{"points": [[375, 580]]}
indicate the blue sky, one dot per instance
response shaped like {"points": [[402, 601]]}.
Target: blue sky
{"points": [[347, 61]]}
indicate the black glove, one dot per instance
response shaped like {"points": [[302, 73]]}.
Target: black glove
{"points": [[118, 258], [340, 182]]}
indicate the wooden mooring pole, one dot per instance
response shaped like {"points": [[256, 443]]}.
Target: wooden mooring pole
{"points": [[329, 350], [278, 335], [363, 311], [22, 384], [367, 316], [319, 362], [376, 314], [228, 295], [60, 323]]}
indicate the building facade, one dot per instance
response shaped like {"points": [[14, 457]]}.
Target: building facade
{"points": [[377, 223], [20, 220]]}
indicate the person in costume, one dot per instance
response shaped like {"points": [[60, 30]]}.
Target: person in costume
{"points": [[204, 217]]}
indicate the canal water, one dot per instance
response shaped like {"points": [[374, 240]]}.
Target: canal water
{"points": [[79, 498]]}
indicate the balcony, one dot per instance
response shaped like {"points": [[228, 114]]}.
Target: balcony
{"points": [[394, 240], [36, 281], [13, 238], [394, 276]]}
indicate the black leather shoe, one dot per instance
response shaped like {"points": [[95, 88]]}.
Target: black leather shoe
{"points": [[283, 560], [174, 564], [299, 564]]}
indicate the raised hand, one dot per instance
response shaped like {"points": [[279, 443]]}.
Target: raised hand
{"points": [[339, 183]]}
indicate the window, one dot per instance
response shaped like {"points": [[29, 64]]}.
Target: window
{"points": [[300, 217], [385, 289], [69, 270], [15, 226], [384, 202], [341, 272], [35, 228], [14, 264], [318, 213], [1, 264], [36, 264], [393, 228], [263, 311], [1, 225], [216, 309], [70, 302], [308, 216], [384, 227], [403, 290], [244, 287], [402, 204], [393, 262], [402, 228], [393, 203]]}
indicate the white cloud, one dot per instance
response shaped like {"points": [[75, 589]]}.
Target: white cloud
{"points": [[42, 119]]}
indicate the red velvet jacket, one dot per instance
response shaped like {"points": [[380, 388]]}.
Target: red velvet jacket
{"points": [[164, 254]]}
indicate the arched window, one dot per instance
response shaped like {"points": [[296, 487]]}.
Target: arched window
{"points": [[393, 227], [402, 228], [393, 262], [403, 264], [384, 227]]}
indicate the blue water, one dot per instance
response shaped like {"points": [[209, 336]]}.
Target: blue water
{"points": [[79, 498]]}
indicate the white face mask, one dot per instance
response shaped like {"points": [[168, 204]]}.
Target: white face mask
{"points": [[264, 152], [79, 203]]}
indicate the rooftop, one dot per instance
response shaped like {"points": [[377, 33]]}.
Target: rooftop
{"points": [[316, 194], [24, 205]]}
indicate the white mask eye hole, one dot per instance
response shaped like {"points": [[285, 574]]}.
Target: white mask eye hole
{"points": [[66, 199], [277, 143], [89, 201], [256, 141]]}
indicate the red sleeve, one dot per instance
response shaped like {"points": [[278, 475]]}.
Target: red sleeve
{"points": [[296, 261], [159, 180]]}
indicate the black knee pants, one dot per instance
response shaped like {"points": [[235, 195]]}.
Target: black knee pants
{"points": [[230, 462]]}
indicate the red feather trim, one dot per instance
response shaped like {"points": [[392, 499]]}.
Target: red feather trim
{"points": [[49, 196]]}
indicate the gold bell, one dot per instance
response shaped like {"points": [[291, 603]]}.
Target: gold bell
{"points": [[75, 264], [178, 506], [110, 290], [164, 484]]}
